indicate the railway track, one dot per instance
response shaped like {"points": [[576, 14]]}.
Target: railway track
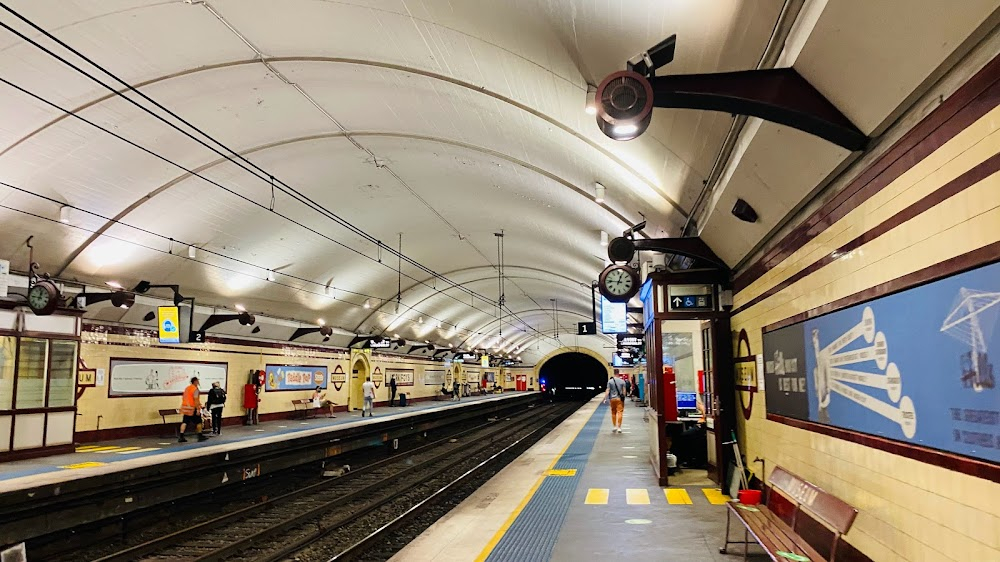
{"points": [[349, 507]]}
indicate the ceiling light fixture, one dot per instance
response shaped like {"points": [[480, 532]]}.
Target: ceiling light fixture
{"points": [[604, 238], [113, 284], [192, 252], [368, 303], [270, 275], [64, 214], [591, 107], [240, 308], [625, 130], [420, 320], [396, 336], [598, 193], [321, 322]]}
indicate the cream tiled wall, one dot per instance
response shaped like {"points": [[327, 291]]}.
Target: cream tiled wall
{"points": [[137, 411], [909, 510]]}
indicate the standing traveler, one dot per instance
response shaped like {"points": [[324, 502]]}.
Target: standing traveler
{"points": [[456, 390], [368, 390], [216, 401], [392, 391], [190, 409], [628, 388], [616, 396]]}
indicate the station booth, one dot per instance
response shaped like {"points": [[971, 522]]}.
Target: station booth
{"points": [[38, 382], [688, 384]]}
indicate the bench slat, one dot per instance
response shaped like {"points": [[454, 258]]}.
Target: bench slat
{"points": [[772, 533], [832, 510]]}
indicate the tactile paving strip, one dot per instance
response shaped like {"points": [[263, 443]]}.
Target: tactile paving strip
{"points": [[533, 533]]}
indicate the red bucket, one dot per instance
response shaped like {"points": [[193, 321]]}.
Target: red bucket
{"points": [[749, 497]]}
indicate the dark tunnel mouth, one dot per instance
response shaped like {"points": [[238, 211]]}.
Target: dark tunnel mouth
{"points": [[573, 373]]}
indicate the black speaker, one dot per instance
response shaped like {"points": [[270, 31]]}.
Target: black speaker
{"points": [[621, 249], [743, 211]]}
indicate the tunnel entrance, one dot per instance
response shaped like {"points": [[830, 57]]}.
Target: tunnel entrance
{"points": [[573, 373]]}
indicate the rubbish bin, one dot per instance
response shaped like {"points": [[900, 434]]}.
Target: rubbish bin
{"points": [[402, 399]]}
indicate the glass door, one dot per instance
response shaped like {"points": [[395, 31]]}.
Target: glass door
{"points": [[709, 403]]}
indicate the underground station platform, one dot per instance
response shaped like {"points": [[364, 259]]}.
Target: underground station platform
{"points": [[102, 480]]}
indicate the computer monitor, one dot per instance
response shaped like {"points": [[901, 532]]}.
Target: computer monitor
{"points": [[687, 400]]}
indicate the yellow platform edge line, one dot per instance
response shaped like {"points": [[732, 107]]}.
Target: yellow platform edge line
{"points": [[531, 493], [715, 497], [597, 496], [95, 449], [636, 496], [115, 450], [677, 496]]}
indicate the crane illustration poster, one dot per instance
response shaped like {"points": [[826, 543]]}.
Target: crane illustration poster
{"points": [[916, 366]]}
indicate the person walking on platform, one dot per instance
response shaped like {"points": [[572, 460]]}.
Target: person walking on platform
{"points": [[368, 390], [216, 401], [392, 391], [190, 407], [616, 396]]}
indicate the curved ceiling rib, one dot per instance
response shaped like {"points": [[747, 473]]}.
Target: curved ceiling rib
{"points": [[384, 65], [325, 136], [526, 312], [422, 282]]}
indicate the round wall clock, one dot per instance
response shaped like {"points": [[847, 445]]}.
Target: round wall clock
{"points": [[43, 297], [619, 282]]}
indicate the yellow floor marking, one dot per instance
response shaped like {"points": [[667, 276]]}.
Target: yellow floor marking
{"points": [[86, 448], [561, 472], [597, 496], [715, 497], [520, 507], [137, 450], [115, 450], [637, 496], [83, 465], [95, 449], [677, 496]]}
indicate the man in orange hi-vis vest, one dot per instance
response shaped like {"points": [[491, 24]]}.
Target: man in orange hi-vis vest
{"points": [[191, 410]]}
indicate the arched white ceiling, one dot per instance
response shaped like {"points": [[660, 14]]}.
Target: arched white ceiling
{"points": [[442, 121]]}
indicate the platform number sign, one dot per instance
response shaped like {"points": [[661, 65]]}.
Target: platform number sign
{"points": [[586, 328]]}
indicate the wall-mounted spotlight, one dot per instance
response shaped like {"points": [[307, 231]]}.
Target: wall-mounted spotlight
{"points": [[192, 252], [244, 318], [240, 307], [325, 331], [599, 193], [143, 287], [65, 214], [121, 299], [368, 303], [270, 275], [604, 238]]}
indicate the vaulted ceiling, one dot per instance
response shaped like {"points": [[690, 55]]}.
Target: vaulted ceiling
{"points": [[295, 144]]}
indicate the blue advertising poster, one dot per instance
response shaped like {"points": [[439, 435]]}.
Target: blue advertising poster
{"points": [[913, 366], [292, 377], [614, 317]]}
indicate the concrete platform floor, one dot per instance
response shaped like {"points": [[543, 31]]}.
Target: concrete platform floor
{"points": [[123, 453], [617, 512]]}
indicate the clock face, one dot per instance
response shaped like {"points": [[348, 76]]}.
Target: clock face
{"points": [[39, 297], [618, 282]]}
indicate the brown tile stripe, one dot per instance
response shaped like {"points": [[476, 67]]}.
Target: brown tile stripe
{"points": [[970, 102], [966, 465], [971, 260], [973, 176]]}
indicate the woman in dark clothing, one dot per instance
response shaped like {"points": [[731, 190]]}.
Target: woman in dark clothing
{"points": [[215, 403]]}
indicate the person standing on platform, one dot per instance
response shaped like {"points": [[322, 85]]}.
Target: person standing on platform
{"points": [[616, 396], [628, 388], [368, 390], [215, 403], [190, 408], [392, 391], [456, 390]]}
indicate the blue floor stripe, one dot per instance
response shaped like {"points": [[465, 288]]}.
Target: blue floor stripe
{"points": [[534, 532]]}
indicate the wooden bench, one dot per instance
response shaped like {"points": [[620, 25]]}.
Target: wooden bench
{"points": [[303, 407], [799, 518]]}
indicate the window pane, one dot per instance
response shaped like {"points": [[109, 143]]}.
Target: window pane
{"points": [[8, 352], [62, 375], [31, 373]]}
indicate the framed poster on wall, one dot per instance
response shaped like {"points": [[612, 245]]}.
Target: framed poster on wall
{"points": [[294, 377], [434, 377], [151, 377], [913, 366]]}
